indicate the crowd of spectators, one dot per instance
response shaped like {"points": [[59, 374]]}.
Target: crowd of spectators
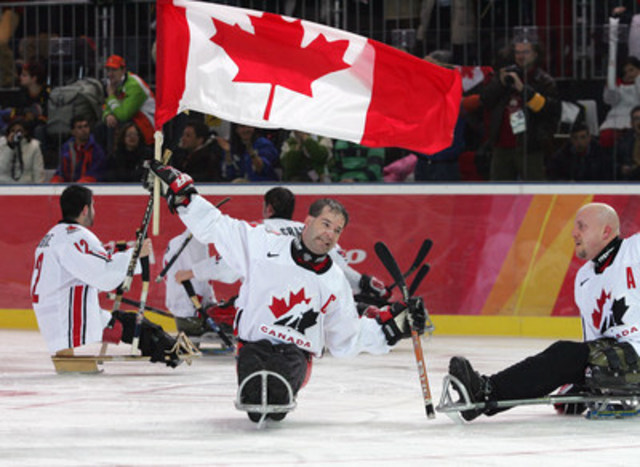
{"points": [[509, 129]]}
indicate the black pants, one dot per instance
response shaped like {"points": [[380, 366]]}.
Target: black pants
{"points": [[153, 340], [561, 363], [286, 360]]}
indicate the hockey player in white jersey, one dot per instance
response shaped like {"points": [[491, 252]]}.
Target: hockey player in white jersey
{"points": [[277, 213], [607, 294], [294, 302], [71, 266], [196, 265]]}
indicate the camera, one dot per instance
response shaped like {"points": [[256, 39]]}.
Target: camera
{"points": [[17, 137], [508, 79]]}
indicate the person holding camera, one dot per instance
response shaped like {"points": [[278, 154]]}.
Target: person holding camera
{"points": [[524, 108], [21, 159]]}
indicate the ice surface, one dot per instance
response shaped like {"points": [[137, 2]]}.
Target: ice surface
{"points": [[362, 411]]}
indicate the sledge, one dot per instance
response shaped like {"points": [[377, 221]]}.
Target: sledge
{"points": [[606, 406], [89, 363]]}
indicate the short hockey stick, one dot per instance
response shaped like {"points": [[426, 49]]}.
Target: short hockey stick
{"points": [[391, 265], [147, 307], [144, 263], [188, 286], [181, 249], [420, 256], [417, 280], [126, 285]]}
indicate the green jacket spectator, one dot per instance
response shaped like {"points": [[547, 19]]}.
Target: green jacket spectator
{"points": [[304, 158], [352, 162], [129, 98]]}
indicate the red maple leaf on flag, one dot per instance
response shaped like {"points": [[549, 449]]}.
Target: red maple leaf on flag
{"points": [[279, 306], [274, 54]]}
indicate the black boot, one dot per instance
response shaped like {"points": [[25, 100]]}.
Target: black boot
{"points": [[478, 387]]}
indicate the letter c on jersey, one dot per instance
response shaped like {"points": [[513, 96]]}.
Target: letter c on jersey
{"points": [[355, 256]]}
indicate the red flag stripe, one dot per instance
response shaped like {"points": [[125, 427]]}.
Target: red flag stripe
{"points": [[172, 42], [434, 101]]}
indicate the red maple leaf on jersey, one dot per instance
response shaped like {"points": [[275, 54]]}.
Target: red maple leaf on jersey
{"points": [[279, 306], [274, 54], [596, 316]]}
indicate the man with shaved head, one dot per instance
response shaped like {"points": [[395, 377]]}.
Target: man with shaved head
{"points": [[607, 294]]}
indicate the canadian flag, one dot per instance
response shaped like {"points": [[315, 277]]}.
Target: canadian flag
{"points": [[267, 70]]}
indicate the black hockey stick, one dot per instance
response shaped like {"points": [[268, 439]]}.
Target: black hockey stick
{"points": [[181, 249], [188, 286], [417, 280], [144, 263], [147, 307], [126, 284], [420, 256], [390, 263]]}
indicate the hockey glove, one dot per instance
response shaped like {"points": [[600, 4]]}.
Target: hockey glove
{"points": [[370, 285], [573, 408], [179, 185], [398, 319]]}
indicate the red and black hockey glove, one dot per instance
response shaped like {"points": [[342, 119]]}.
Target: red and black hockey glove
{"points": [[179, 184], [569, 408], [398, 319], [372, 286]]}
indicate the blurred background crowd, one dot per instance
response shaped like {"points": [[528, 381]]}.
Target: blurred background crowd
{"points": [[551, 92]]}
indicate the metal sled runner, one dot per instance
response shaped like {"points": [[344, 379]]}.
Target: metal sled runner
{"points": [[264, 408], [599, 407]]}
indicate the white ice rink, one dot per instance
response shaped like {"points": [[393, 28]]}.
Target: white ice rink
{"points": [[363, 411]]}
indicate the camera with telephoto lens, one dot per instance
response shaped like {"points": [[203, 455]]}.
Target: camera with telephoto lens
{"points": [[508, 79]]}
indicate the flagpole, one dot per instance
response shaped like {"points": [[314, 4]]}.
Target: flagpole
{"points": [[158, 140]]}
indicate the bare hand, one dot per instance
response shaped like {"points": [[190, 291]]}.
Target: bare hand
{"points": [[111, 121], [223, 143], [184, 275], [145, 250]]}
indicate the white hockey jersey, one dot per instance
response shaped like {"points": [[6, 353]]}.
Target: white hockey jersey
{"points": [[70, 267], [609, 301], [279, 300], [176, 299]]}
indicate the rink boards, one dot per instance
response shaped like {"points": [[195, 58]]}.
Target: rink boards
{"points": [[502, 261]]}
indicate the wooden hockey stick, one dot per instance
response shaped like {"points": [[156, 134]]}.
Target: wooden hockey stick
{"points": [[126, 285], [188, 286], [181, 249], [420, 256], [391, 265], [140, 237]]}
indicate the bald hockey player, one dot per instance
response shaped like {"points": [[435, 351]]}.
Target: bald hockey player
{"points": [[606, 292]]}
